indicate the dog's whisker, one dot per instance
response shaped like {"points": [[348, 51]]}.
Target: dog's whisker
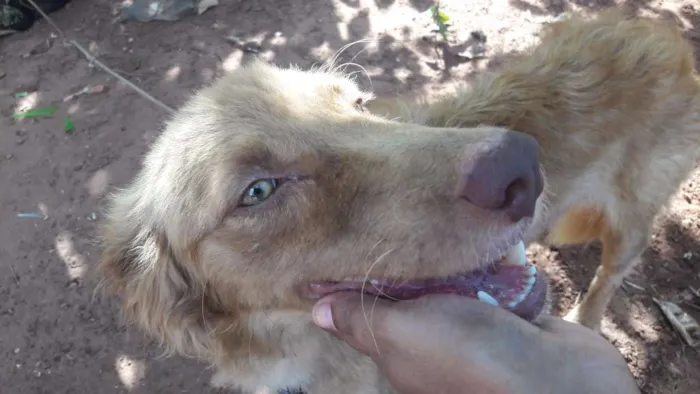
{"points": [[330, 63], [374, 304], [362, 70], [362, 292]]}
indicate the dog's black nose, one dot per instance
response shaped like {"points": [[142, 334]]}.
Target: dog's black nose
{"points": [[505, 177]]}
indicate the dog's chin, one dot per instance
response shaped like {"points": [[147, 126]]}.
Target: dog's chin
{"points": [[510, 282]]}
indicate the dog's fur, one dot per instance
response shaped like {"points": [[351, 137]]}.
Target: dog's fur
{"points": [[612, 102]]}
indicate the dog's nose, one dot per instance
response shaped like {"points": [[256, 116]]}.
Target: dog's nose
{"points": [[505, 177]]}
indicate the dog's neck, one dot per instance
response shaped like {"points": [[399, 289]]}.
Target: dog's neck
{"points": [[299, 352], [306, 360]]}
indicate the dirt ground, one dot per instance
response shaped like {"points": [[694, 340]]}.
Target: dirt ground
{"points": [[55, 337]]}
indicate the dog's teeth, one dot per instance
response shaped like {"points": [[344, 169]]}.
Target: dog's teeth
{"points": [[531, 270], [529, 281], [518, 299], [516, 254], [374, 282], [487, 298]]}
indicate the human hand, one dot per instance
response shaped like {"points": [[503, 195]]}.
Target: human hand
{"points": [[452, 344]]}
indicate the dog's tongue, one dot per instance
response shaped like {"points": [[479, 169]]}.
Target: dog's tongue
{"points": [[511, 283]]}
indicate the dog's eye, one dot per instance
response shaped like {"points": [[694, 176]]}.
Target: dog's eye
{"points": [[258, 192], [360, 105]]}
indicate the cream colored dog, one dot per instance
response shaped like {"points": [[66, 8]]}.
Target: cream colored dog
{"points": [[273, 187]]}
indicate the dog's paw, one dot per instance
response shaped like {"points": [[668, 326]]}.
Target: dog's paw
{"points": [[576, 315]]}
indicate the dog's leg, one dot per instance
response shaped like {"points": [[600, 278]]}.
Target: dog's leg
{"points": [[620, 253]]}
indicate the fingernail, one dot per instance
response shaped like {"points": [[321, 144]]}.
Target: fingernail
{"points": [[322, 316]]}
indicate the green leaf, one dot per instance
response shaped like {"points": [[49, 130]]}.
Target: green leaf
{"points": [[439, 18], [36, 113], [68, 125]]}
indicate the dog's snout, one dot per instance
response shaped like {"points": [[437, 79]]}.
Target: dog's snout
{"points": [[505, 177]]}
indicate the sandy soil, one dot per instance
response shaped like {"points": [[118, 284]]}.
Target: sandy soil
{"points": [[56, 338]]}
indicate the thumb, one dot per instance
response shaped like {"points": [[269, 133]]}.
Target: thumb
{"points": [[356, 318]]}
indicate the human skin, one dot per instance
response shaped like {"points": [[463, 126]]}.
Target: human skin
{"points": [[452, 344]]}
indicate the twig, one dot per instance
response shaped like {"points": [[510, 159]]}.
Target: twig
{"points": [[694, 306], [14, 273], [578, 298], [695, 291], [654, 290], [633, 285], [92, 59], [140, 91]]}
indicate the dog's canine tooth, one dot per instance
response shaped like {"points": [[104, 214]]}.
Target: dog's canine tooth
{"points": [[487, 298], [516, 255]]}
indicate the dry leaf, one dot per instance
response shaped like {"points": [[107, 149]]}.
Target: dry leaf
{"points": [[682, 322]]}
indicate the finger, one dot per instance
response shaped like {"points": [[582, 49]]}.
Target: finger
{"points": [[470, 312], [356, 318]]}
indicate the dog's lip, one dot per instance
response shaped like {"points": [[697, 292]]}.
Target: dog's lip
{"points": [[511, 283]]}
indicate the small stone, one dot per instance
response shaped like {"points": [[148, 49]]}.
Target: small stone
{"points": [[688, 255], [478, 36], [251, 47], [16, 350]]}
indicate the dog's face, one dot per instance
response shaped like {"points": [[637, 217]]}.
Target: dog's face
{"points": [[273, 187]]}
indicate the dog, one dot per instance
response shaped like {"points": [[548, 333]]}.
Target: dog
{"points": [[272, 187], [610, 164]]}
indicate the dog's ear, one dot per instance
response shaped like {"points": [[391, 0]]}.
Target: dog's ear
{"points": [[158, 294]]}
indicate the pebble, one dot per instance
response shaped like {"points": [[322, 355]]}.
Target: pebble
{"points": [[478, 36]]}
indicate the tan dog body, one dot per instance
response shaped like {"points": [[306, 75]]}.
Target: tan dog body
{"points": [[613, 104]]}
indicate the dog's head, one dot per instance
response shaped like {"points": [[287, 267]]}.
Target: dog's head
{"points": [[273, 187]]}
